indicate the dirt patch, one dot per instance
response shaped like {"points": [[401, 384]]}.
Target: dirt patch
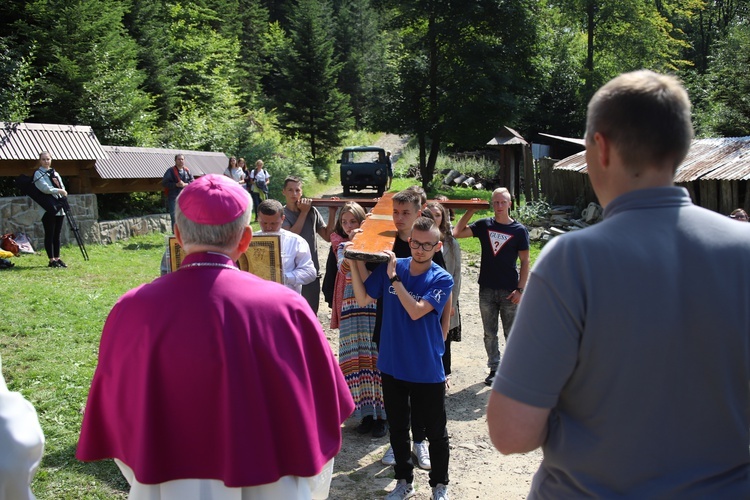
{"points": [[477, 470]]}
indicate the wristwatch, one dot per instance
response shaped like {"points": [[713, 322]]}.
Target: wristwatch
{"points": [[395, 279], [519, 290]]}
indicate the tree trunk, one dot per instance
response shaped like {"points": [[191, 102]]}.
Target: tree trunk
{"points": [[429, 169], [422, 150], [590, 25], [313, 141], [433, 106], [530, 186]]}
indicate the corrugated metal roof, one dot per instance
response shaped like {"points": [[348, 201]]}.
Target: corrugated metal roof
{"points": [[506, 139], [151, 163], [725, 159], [573, 163], [721, 159], [24, 141]]}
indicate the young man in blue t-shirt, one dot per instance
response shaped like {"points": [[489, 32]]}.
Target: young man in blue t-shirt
{"points": [[504, 242], [415, 291]]}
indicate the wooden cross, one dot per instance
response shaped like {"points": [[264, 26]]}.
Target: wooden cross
{"points": [[378, 231]]}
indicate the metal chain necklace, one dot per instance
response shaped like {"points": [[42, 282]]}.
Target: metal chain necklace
{"points": [[207, 264]]}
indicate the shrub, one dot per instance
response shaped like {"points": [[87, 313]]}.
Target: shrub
{"points": [[529, 214], [115, 206]]}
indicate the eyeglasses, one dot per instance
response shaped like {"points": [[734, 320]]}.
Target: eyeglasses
{"points": [[425, 246]]}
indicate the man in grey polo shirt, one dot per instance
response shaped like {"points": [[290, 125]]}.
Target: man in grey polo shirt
{"points": [[628, 360]]}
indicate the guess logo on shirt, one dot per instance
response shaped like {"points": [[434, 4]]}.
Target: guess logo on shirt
{"points": [[498, 239]]}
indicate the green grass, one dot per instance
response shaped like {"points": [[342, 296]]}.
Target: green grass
{"points": [[49, 337]]}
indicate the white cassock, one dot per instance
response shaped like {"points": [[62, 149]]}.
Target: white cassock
{"points": [[21, 444], [298, 488]]}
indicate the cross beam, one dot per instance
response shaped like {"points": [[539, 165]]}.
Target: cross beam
{"points": [[378, 231]]}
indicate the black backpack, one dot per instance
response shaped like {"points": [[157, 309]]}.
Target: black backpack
{"points": [[49, 203]]}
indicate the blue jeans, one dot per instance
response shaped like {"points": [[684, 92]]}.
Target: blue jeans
{"points": [[170, 208], [491, 304]]}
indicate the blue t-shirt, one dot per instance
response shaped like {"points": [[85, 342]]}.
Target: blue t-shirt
{"points": [[411, 350]]}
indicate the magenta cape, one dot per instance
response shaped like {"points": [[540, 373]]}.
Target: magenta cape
{"points": [[214, 373]]}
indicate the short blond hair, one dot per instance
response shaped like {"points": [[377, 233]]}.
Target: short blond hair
{"points": [[646, 117]]}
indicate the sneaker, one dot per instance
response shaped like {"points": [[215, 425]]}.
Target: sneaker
{"points": [[389, 458], [60, 263], [365, 426], [440, 492], [380, 428], [401, 491], [52, 263], [490, 378], [422, 452]]}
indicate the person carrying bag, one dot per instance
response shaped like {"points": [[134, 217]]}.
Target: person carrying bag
{"points": [[49, 182], [259, 180]]}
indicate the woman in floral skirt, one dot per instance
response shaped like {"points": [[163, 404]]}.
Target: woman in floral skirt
{"points": [[358, 354]]}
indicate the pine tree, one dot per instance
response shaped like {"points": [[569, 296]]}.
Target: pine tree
{"points": [[310, 103], [362, 51], [193, 71], [253, 50], [148, 23], [88, 67]]}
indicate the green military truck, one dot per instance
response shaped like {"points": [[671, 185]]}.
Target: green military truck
{"points": [[363, 167]]}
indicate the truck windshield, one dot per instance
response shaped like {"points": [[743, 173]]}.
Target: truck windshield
{"points": [[364, 157]]}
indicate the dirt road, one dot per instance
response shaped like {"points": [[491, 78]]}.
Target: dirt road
{"points": [[477, 470]]}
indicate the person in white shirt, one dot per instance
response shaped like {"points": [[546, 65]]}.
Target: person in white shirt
{"points": [[257, 181], [21, 444], [295, 252], [234, 171]]}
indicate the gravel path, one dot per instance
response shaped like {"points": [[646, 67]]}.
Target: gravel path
{"points": [[477, 470]]}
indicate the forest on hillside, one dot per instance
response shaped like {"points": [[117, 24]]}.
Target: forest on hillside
{"points": [[244, 76]]}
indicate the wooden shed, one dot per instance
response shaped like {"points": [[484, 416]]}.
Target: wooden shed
{"points": [[130, 169], [89, 167], [515, 151], [74, 149], [715, 172]]}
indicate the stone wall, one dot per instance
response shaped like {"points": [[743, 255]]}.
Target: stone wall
{"points": [[22, 215], [113, 230]]}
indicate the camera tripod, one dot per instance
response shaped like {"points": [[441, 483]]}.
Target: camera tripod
{"points": [[74, 227]]}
